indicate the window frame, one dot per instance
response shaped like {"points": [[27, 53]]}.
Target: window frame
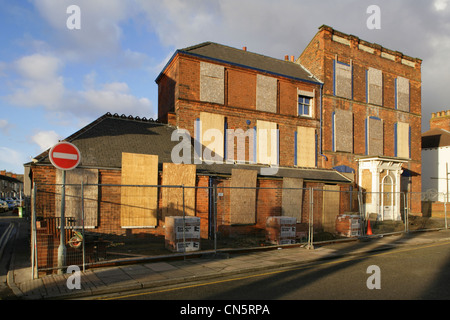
{"points": [[305, 95]]}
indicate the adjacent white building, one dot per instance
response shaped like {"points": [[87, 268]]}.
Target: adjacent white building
{"points": [[436, 158]]}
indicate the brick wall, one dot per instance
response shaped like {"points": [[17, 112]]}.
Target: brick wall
{"points": [[268, 203], [319, 57], [239, 106], [440, 120]]}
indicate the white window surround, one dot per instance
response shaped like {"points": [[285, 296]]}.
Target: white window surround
{"points": [[308, 94]]}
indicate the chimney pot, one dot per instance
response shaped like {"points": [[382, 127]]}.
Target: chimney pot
{"points": [[244, 48], [292, 58], [286, 58]]}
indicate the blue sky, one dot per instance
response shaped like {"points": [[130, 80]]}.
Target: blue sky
{"points": [[54, 80]]}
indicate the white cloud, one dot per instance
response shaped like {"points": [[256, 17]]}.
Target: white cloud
{"points": [[38, 67], [440, 5], [12, 158], [46, 139], [115, 97], [100, 33], [39, 82]]}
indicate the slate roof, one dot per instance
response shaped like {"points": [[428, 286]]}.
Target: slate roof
{"points": [[435, 138], [102, 142], [225, 54]]}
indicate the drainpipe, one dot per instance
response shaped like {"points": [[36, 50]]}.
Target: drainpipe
{"points": [[321, 123]]}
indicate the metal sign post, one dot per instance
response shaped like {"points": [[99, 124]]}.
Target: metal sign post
{"points": [[64, 156], [62, 243]]}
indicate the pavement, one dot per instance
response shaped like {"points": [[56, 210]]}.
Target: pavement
{"points": [[208, 266]]}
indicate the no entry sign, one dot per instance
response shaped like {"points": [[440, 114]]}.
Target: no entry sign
{"points": [[64, 156]]}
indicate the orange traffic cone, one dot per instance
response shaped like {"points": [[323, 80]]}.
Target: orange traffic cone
{"points": [[369, 228]]}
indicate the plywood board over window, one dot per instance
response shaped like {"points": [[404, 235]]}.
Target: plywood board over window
{"points": [[139, 203], [375, 86], [75, 199], [242, 141], [402, 94], [402, 144], [343, 80], [331, 198], [306, 147], [212, 136], [266, 93], [267, 142], [292, 197], [375, 136], [212, 85], [243, 196], [343, 130], [172, 197]]}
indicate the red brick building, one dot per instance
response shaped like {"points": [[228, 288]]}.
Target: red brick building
{"points": [[240, 94], [340, 118], [371, 115]]}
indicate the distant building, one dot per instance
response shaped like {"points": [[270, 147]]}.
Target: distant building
{"points": [[436, 157], [11, 184]]}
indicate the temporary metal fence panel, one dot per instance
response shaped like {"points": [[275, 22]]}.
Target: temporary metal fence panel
{"points": [[104, 227]]}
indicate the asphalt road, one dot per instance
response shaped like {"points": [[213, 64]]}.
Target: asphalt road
{"points": [[5, 256], [412, 273]]}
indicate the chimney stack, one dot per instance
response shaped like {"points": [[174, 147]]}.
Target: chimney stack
{"points": [[440, 120], [292, 58], [244, 48]]}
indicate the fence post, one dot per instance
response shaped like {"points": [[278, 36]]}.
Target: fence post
{"points": [[311, 217], [406, 208], [362, 216], [82, 226], [184, 227], [445, 210], [215, 216], [34, 262]]}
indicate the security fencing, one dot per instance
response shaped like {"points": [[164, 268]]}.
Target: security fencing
{"points": [[108, 224]]}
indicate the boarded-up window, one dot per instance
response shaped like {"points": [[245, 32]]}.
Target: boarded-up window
{"points": [[212, 83], [267, 142], [402, 140], [343, 130], [243, 196], [139, 204], [374, 136], [343, 80], [212, 136], [366, 184], [402, 94], [73, 196], [331, 200], [240, 140], [306, 147], [292, 198], [266, 93], [374, 86], [172, 197]]}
